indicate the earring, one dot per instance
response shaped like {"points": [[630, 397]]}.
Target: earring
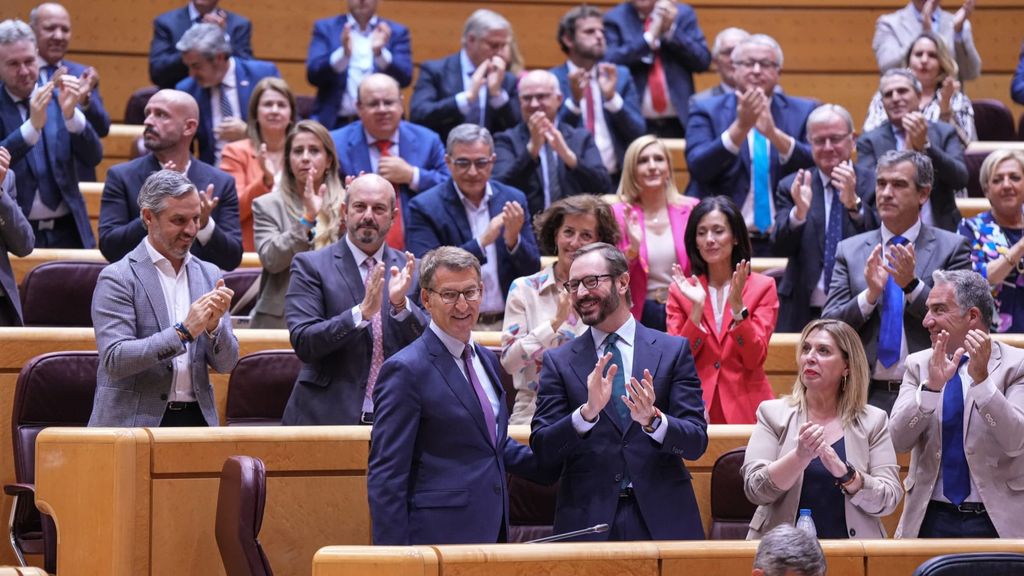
{"points": [[842, 383]]}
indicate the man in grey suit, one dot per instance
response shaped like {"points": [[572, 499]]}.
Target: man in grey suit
{"points": [[349, 306], [894, 32], [16, 237], [882, 278], [721, 57], [160, 319], [961, 414]]}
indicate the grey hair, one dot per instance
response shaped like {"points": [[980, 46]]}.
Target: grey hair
{"points": [[924, 177], [758, 40], [716, 48], [207, 39], [785, 548], [970, 290], [162, 185], [902, 73], [483, 21], [14, 30], [468, 134], [447, 257], [822, 113], [33, 15]]}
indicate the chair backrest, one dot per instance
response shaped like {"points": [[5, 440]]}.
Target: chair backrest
{"points": [[972, 563], [973, 159], [259, 387], [240, 280], [135, 109], [731, 512], [993, 120], [240, 502], [506, 380], [59, 293], [304, 105]]}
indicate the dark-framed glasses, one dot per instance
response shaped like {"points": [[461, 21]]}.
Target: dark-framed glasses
{"points": [[464, 163], [588, 282], [452, 296]]}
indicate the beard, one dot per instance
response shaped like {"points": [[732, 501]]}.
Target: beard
{"points": [[606, 306]]}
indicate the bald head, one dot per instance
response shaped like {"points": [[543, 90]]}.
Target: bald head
{"points": [[539, 92], [51, 24], [379, 106], [369, 210], [171, 120]]}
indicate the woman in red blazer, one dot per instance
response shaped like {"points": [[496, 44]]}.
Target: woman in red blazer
{"points": [[726, 312]]}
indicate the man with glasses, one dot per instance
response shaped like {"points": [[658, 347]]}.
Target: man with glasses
{"points": [[408, 155], [742, 144], [618, 410], [440, 451], [816, 209], [546, 159], [484, 217]]}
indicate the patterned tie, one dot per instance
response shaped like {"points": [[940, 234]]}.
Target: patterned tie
{"points": [[833, 234], [956, 475], [762, 184], [396, 236], [656, 80], [376, 327], [485, 402], [226, 110], [588, 95], [554, 189], [890, 335], [619, 382]]}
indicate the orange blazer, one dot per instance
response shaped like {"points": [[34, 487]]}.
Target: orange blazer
{"points": [[730, 364], [239, 160]]}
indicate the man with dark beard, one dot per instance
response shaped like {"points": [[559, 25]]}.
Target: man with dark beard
{"points": [[350, 305], [620, 443]]}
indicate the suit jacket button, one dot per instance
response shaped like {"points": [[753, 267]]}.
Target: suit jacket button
{"points": [[717, 365], [497, 489], [740, 340], [163, 397], [618, 477], [696, 342], [853, 532]]}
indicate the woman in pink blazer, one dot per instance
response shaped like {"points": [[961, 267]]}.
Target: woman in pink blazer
{"points": [[726, 312], [652, 216]]}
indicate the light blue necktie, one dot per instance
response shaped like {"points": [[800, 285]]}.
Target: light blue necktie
{"points": [[890, 336], [762, 184]]}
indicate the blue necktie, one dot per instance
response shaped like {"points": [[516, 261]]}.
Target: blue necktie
{"points": [[226, 110], [49, 194], [762, 184], [833, 234], [619, 382], [956, 476], [891, 334]]}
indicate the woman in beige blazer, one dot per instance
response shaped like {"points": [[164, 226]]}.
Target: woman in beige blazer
{"points": [[823, 437], [302, 213]]}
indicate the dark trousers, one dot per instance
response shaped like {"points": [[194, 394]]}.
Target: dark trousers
{"points": [[882, 394], [943, 520], [761, 245], [190, 415], [653, 315], [629, 522], [62, 234], [666, 127]]}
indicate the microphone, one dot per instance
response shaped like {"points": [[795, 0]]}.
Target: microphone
{"points": [[596, 529]]}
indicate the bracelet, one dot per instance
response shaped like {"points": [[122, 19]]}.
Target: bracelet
{"points": [[183, 333], [307, 223]]}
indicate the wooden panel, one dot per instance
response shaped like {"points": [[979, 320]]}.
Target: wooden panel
{"points": [[585, 559], [844, 558], [901, 557], [378, 560]]}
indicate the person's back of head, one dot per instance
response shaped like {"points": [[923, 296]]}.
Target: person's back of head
{"points": [[788, 551]]}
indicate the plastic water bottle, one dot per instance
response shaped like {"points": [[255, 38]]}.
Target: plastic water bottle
{"points": [[806, 523]]}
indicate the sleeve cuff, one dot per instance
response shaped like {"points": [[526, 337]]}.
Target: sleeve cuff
{"points": [[862, 303], [77, 122], [415, 184], [498, 101], [581, 426], [793, 220], [204, 235], [615, 104], [339, 60], [28, 133], [462, 101], [571, 106], [727, 142]]}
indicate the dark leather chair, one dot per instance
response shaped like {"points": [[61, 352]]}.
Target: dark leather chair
{"points": [[59, 293], [240, 502], [135, 109], [304, 105], [974, 159], [240, 280], [1020, 128], [993, 120], [973, 563], [54, 389], [731, 512], [259, 387]]}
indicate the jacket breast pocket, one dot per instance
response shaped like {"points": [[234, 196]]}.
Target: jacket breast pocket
{"points": [[441, 499]]}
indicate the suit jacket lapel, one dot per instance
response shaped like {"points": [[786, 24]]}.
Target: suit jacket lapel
{"points": [[453, 74], [347, 269], [243, 86], [645, 354], [924, 251], [359, 150], [583, 364], [444, 362], [677, 223], [458, 212], [144, 269]]}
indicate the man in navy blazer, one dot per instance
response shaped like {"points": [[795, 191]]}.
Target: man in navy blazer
{"points": [[330, 310], [1017, 85], [439, 450], [215, 78], [621, 458], [415, 156], [471, 85], [165, 66], [486, 218], [599, 96], [15, 238], [546, 159], [52, 26], [673, 42], [171, 120], [47, 135], [348, 47]]}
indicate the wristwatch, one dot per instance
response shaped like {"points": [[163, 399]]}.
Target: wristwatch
{"points": [[841, 481], [856, 206], [911, 286], [743, 315], [655, 422]]}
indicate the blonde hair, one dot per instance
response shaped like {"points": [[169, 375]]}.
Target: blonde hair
{"points": [[328, 220], [994, 159], [947, 64], [853, 394], [629, 187]]}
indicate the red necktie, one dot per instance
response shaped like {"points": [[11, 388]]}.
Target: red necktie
{"points": [[589, 97], [376, 327], [396, 236], [656, 80]]}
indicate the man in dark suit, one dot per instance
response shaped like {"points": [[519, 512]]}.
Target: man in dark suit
{"points": [[171, 120], [440, 451], [599, 96], [619, 436], [15, 238], [350, 306], [47, 135], [221, 84], [907, 129], [52, 26], [165, 66], [721, 56], [742, 144], [347, 48], [882, 278], [663, 46], [409, 156], [471, 85], [486, 218], [545, 159], [806, 203], [1017, 85]]}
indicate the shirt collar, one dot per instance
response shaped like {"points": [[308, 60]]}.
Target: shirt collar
{"points": [[370, 24], [917, 14], [549, 281], [229, 79], [453, 345], [373, 141], [360, 256], [467, 65], [626, 332], [468, 203], [193, 12], [911, 234], [159, 258]]}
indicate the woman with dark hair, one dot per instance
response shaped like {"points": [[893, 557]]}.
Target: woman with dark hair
{"points": [[538, 315], [727, 313]]}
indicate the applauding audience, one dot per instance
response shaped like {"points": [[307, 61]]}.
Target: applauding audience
{"points": [[166, 68]]}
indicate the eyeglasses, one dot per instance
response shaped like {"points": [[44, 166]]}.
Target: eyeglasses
{"points": [[834, 140], [463, 164], [540, 98], [589, 282], [452, 296], [386, 104], [764, 64]]}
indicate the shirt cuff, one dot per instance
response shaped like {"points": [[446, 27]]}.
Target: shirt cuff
{"points": [[498, 101], [357, 317], [862, 303], [384, 60], [339, 60], [915, 292], [415, 184], [727, 142], [793, 220], [204, 235], [29, 134], [652, 42], [402, 315], [572, 106], [77, 122], [659, 434], [513, 249], [792, 148], [581, 426], [615, 104], [462, 101]]}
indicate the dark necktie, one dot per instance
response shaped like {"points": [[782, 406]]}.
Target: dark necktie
{"points": [[833, 234], [485, 402], [396, 235], [890, 336], [619, 382], [49, 194], [376, 327], [956, 475], [554, 189]]}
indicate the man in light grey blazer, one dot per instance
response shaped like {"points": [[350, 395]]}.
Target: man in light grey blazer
{"points": [[160, 319], [960, 413], [865, 263], [16, 237], [896, 31]]}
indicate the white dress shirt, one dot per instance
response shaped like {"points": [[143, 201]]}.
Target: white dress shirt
{"points": [[177, 299], [602, 134], [359, 63]]}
